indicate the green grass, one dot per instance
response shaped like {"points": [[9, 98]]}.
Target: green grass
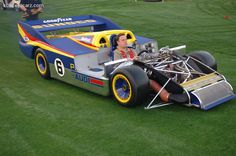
{"points": [[40, 117]]}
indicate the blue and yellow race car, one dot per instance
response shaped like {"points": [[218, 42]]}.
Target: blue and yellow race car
{"points": [[80, 50]]}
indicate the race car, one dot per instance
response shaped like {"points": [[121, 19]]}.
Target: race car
{"points": [[10, 4], [80, 50]]}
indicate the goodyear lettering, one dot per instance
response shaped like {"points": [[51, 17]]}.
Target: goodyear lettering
{"points": [[57, 20]]}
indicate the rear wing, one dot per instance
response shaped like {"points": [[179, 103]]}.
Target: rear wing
{"points": [[33, 30], [97, 22]]}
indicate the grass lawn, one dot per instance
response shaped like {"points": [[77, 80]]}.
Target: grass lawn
{"points": [[44, 118]]}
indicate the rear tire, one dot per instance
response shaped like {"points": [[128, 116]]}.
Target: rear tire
{"points": [[206, 58], [41, 64], [130, 85]]}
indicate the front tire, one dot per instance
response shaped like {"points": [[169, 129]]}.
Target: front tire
{"points": [[41, 64], [130, 85]]}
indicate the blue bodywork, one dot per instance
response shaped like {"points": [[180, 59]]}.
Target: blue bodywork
{"points": [[99, 24]]}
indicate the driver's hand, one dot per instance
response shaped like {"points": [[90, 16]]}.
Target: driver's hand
{"points": [[136, 58]]}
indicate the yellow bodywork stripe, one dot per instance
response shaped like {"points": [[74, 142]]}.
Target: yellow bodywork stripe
{"points": [[42, 45], [197, 80], [21, 31]]}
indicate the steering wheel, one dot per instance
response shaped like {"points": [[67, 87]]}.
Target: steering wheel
{"points": [[143, 52]]}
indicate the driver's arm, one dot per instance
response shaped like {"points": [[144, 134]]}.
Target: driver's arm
{"points": [[22, 8], [22, 5]]}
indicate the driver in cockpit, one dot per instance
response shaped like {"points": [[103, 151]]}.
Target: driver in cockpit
{"points": [[122, 50]]}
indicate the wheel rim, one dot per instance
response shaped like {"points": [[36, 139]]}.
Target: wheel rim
{"points": [[41, 64], [121, 88]]}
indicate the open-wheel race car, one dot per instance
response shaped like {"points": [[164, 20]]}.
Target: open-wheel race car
{"points": [[80, 50]]}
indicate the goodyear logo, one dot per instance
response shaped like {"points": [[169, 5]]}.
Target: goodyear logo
{"points": [[57, 20], [63, 23]]}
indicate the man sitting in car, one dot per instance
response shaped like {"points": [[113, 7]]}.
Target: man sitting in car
{"points": [[122, 50]]}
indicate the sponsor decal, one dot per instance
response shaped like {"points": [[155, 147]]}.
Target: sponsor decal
{"points": [[72, 66], [90, 80], [26, 39], [57, 20]]}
